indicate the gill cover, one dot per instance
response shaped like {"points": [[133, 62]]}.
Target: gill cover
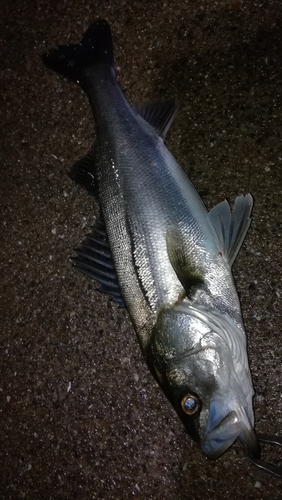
{"points": [[200, 356]]}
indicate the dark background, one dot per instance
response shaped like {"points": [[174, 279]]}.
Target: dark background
{"points": [[80, 415]]}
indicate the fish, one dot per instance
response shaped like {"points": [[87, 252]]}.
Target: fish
{"points": [[158, 251]]}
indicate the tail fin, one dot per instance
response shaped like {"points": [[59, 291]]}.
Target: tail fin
{"points": [[72, 61]]}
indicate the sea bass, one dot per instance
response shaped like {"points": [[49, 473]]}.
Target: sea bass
{"points": [[157, 250]]}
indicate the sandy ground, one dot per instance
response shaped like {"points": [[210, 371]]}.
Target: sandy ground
{"points": [[80, 416]]}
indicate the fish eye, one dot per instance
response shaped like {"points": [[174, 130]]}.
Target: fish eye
{"points": [[190, 404]]}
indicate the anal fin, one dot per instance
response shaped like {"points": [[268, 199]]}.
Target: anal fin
{"points": [[159, 114], [94, 259]]}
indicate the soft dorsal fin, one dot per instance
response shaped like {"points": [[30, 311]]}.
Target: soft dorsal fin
{"points": [[82, 172], [94, 259], [230, 227], [184, 261], [159, 114]]}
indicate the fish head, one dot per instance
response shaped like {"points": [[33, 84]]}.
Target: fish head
{"points": [[206, 377]]}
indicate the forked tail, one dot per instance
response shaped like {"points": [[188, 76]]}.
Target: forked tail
{"points": [[73, 61]]}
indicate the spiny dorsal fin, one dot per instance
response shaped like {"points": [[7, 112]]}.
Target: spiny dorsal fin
{"points": [[230, 227], [159, 115], [94, 258], [183, 261]]}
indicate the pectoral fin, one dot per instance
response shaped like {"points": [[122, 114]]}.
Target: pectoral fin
{"points": [[183, 261], [230, 227]]}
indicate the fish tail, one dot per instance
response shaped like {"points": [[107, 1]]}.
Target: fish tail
{"points": [[73, 61]]}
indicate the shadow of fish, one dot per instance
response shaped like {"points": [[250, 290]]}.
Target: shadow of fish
{"points": [[159, 251]]}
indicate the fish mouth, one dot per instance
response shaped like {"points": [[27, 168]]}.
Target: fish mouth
{"points": [[221, 433]]}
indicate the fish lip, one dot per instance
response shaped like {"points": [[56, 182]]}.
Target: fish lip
{"points": [[222, 436], [226, 432]]}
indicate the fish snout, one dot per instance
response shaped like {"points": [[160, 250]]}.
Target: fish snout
{"points": [[224, 428]]}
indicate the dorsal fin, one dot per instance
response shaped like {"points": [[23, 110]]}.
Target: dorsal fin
{"points": [[82, 172], [230, 227], [159, 114], [94, 258]]}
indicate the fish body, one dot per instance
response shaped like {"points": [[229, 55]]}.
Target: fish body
{"points": [[160, 252]]}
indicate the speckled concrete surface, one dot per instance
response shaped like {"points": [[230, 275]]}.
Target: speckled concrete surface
{"points": [[80, 416]]}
